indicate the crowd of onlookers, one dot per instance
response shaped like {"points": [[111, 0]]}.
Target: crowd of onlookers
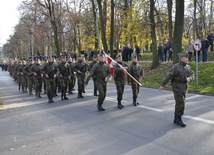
{"points": [[165, 49]]}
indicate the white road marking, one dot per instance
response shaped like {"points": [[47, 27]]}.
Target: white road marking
{"points": [[199, 119], [150, 108]]}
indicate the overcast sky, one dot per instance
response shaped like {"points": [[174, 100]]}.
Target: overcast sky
{"points": [[9, 17]]}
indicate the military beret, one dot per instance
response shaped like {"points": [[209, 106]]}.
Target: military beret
{"points": [[182, 54], [102, 54], [118, 56], [134, 56]]}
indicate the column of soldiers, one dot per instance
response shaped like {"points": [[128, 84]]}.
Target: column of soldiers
{"points": [[29, 76], [64, 74]]}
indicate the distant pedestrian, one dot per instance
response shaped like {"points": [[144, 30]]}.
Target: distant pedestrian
{"points": [[180, 75], [204, 49], [170, 52], [190, 48], [160, 52], [210, 39]]}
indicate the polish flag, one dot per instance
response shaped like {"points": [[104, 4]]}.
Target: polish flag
{"points": [[110, 64]]}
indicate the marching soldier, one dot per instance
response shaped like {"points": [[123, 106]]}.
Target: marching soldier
{"points": [[180, 75], [101, 73], [89, 69], [80, 69], [18, 75], [119, 78], [136, 71], [64, 76], [29, 76], [37, 76], [72, 79], [23, 77], [49, 72]]}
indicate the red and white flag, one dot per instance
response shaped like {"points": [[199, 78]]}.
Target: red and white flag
{"points": [[110, 64]]}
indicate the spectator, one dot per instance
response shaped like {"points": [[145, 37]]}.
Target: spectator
{"points": [[210, 39], [170, 52], [189, 48], [204, 48], [160, 52]]}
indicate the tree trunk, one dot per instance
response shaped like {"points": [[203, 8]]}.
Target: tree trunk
{"points": [[102, 26], [178, 30], [95, 24], [169, 7], [155, 61], [112, 29]]}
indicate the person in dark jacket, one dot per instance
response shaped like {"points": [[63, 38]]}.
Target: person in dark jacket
{"points": [[204, 49]]}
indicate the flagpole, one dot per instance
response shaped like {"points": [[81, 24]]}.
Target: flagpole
{"points": [[123, 69]]}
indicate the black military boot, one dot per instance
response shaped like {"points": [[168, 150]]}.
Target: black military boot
{"points": [[80, 95], [49, 99], [134, 102], [36, 94], [179, 122], [65, 98], [95, 92], [99, 107], [119, 105]]}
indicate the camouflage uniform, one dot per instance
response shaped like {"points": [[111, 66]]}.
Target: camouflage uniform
{"points": [[23, 78], [80, 68], [64, 76], [100, 72], [119, 78], [29, 77], [136, 71], [18, 75], [36, 70], [72, 79], [90, 66], [50, 71], [178, 75]]}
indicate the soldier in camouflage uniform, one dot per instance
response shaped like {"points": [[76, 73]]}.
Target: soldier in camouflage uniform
{"points": [[37, 76], [23, 77], [101, 73], [119, 78], [18, 75], [80, 69], [136, 71], [72, 79], [49, 71], [90, 66], [64, 76], [29, 76], [180, 75]]}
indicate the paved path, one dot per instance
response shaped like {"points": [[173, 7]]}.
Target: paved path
{"points": [[30, 126]]}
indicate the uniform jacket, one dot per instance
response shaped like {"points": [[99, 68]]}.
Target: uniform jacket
{"points": [[136, 71], [119, 74], [178, 74], [99, 72]]}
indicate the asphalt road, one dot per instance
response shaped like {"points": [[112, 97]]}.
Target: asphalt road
{"points": [[31, 126]]}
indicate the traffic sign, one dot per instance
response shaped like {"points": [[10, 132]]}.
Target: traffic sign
{"points": [[197, 45]]}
